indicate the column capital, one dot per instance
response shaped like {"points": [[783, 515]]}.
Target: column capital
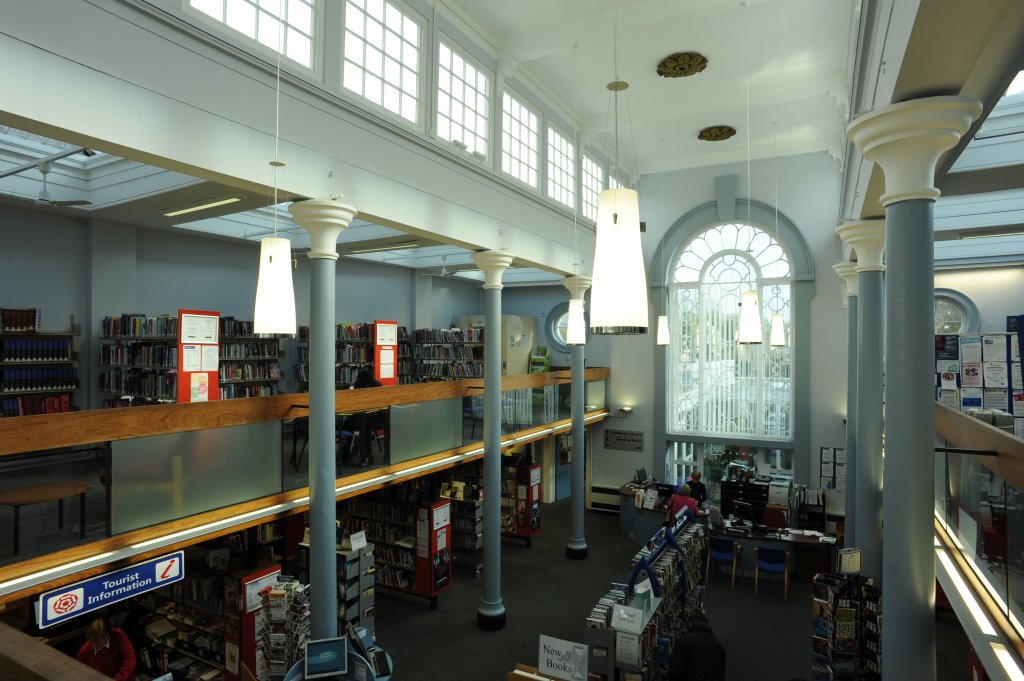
{"points": [[577, 285], [907, 138], [493, 263], [325, 220], [867, 239], [847, 271]]}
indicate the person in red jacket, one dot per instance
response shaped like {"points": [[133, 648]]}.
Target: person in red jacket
{"points": [[108, 651], [678, 501]]}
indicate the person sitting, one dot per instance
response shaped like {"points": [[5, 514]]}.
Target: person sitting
{"points": [[108, 650], [698, 655], [678, 501], [697, 488], [367, 423]]}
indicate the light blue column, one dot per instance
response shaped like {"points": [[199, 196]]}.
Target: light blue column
{"points": [[847, 271], [577, 548], [491, 613], [906, 140], [324, 219], [866, 239], [909, 563], [870, 349]]}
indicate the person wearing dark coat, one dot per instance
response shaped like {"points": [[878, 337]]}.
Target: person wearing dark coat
{"points": [[698, 655]]}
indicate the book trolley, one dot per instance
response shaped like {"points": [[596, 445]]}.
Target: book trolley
{"points": [[633, 628], [847, 629]]}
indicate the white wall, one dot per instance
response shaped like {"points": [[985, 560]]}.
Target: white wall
{"points": [[997, 292]]}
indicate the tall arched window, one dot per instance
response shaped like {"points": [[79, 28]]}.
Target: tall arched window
{"points": [[717, 386]]}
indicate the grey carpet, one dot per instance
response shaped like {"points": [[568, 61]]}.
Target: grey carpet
{"points": [[766, 638]]}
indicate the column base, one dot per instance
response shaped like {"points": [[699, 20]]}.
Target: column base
{"points": [[577, 551], [491, 621]]}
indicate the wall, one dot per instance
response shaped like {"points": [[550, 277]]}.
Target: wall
{"points": [[995, 292], [537, 301], [451, 298]]}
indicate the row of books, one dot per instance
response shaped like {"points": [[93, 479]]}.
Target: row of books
{"points": [[20, 320], [155, 385], [343, 375], [139, 326], [250, 350], [378, 532], [448, 335], [245, 371], [372, 507], [231, 391], [229, 326], [447, 352], [363, 331], [36, 380], [449, 370], [141, 355], [35, 350], [29, 405], [396, 556]]}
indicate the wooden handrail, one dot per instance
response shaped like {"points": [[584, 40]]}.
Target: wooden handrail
{"points": [[27, 659], [52, 431], [961, 430]]}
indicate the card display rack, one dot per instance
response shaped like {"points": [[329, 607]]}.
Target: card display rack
{"points": [[846, 642]]}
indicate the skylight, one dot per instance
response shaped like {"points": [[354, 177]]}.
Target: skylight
{"points": [[1016, 86]]}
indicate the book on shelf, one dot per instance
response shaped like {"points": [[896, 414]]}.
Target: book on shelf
{"points": [[21, 320]]}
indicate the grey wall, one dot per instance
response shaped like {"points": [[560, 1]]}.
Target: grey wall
{"points": [[995, 291], [451, 298]]}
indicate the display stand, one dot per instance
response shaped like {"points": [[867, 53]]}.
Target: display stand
{"points": [[359, 668], [433, 550], [243, 609], [520, 502], [846, 629]]}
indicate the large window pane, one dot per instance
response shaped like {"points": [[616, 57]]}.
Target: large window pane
{"points": [[388, 39], [283, 26], [467, 88]]}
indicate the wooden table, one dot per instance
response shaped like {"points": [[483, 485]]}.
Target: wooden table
{"points": [[38, 494]]}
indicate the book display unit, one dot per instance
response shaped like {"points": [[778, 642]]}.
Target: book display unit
{"points": [[38, 369], [520, 499], [463, 487], [637, 623], [847, 629], [411, 534], [250, 365], [138, 359], [356, 583], [447, 354]]}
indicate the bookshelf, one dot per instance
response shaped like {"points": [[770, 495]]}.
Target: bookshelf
{"points": [[463, 487], [353, 350], [447, 354], [182, 639], [138, 359], [38, 369], [520, 499], [250, 365], [411, 536]]}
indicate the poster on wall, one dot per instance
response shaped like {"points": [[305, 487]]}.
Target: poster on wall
{"points": [[385, 351], [198, 355]]}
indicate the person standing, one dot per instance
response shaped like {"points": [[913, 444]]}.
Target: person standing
{"points": [[108, 650], [697, 488], [678, 501], [698, 655]]}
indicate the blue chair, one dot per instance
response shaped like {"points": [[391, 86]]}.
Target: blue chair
{"points": [[723, 550], [772, 560]]}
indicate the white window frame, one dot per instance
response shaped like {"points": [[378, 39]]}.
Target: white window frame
{"points": [[549, 166], [539, 149], [598, 187], [490, 108], [614, 182], [254, 46], [421, 76]]}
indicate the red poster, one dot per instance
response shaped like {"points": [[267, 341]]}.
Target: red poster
{"points": [[198, 355], [385, 351]]}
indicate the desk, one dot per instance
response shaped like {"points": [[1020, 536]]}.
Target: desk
{"points": [[807, 550], [38, 494]]}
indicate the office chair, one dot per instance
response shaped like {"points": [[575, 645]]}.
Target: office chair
{"points": [[775, 518], [771, 560], [723, 550]]}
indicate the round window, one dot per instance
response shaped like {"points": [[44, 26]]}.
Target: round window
{"points": [[954, 312], [557, 327]]}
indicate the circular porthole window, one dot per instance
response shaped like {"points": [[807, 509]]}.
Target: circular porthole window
{"points": [[557, 325], [954, 312]]}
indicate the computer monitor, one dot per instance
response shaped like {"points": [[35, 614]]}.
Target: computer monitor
{"points": [[744, 511], [715, 518], [641, 475], [326, 657]]}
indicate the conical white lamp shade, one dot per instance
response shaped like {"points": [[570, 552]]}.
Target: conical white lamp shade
{"points": [[618, 300], [576, 329], [275, 296], [750, 318], [662, 330], [778, 331]]}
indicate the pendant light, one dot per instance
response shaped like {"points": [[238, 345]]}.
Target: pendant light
{"points": [[751, 331], [275, 295], [576, 324], [618, 300], [777, 334], [663, 333]]}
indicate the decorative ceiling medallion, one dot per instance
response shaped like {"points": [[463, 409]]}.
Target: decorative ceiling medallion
{"points": [[716, 133], [682, 64]]}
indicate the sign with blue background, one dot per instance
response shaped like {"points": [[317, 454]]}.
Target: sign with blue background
{"points": [[98, 592]]}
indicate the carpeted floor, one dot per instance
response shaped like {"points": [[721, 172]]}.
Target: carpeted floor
{"points": [[766, 638]]}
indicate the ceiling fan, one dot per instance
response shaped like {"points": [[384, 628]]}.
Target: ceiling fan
{"points": [[44, 199]]}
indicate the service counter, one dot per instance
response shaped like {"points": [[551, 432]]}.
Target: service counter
{"points": [[640, 524], [809, 555]]}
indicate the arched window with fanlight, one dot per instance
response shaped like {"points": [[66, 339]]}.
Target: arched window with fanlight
{"points": [[718, 386]]}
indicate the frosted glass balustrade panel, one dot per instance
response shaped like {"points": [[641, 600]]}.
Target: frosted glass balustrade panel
{"points": [[425, 428]]}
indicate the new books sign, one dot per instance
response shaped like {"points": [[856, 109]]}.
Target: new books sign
{"points": [[82, 597]]}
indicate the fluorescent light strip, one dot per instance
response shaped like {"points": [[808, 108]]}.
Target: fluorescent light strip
{"points": [[989, 235], [195, 531], [212, 203], [392, 247], [966, 594], [1006, 659], [68, 568]]}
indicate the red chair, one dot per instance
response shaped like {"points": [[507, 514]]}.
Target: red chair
{"points": [[774, 518]]}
